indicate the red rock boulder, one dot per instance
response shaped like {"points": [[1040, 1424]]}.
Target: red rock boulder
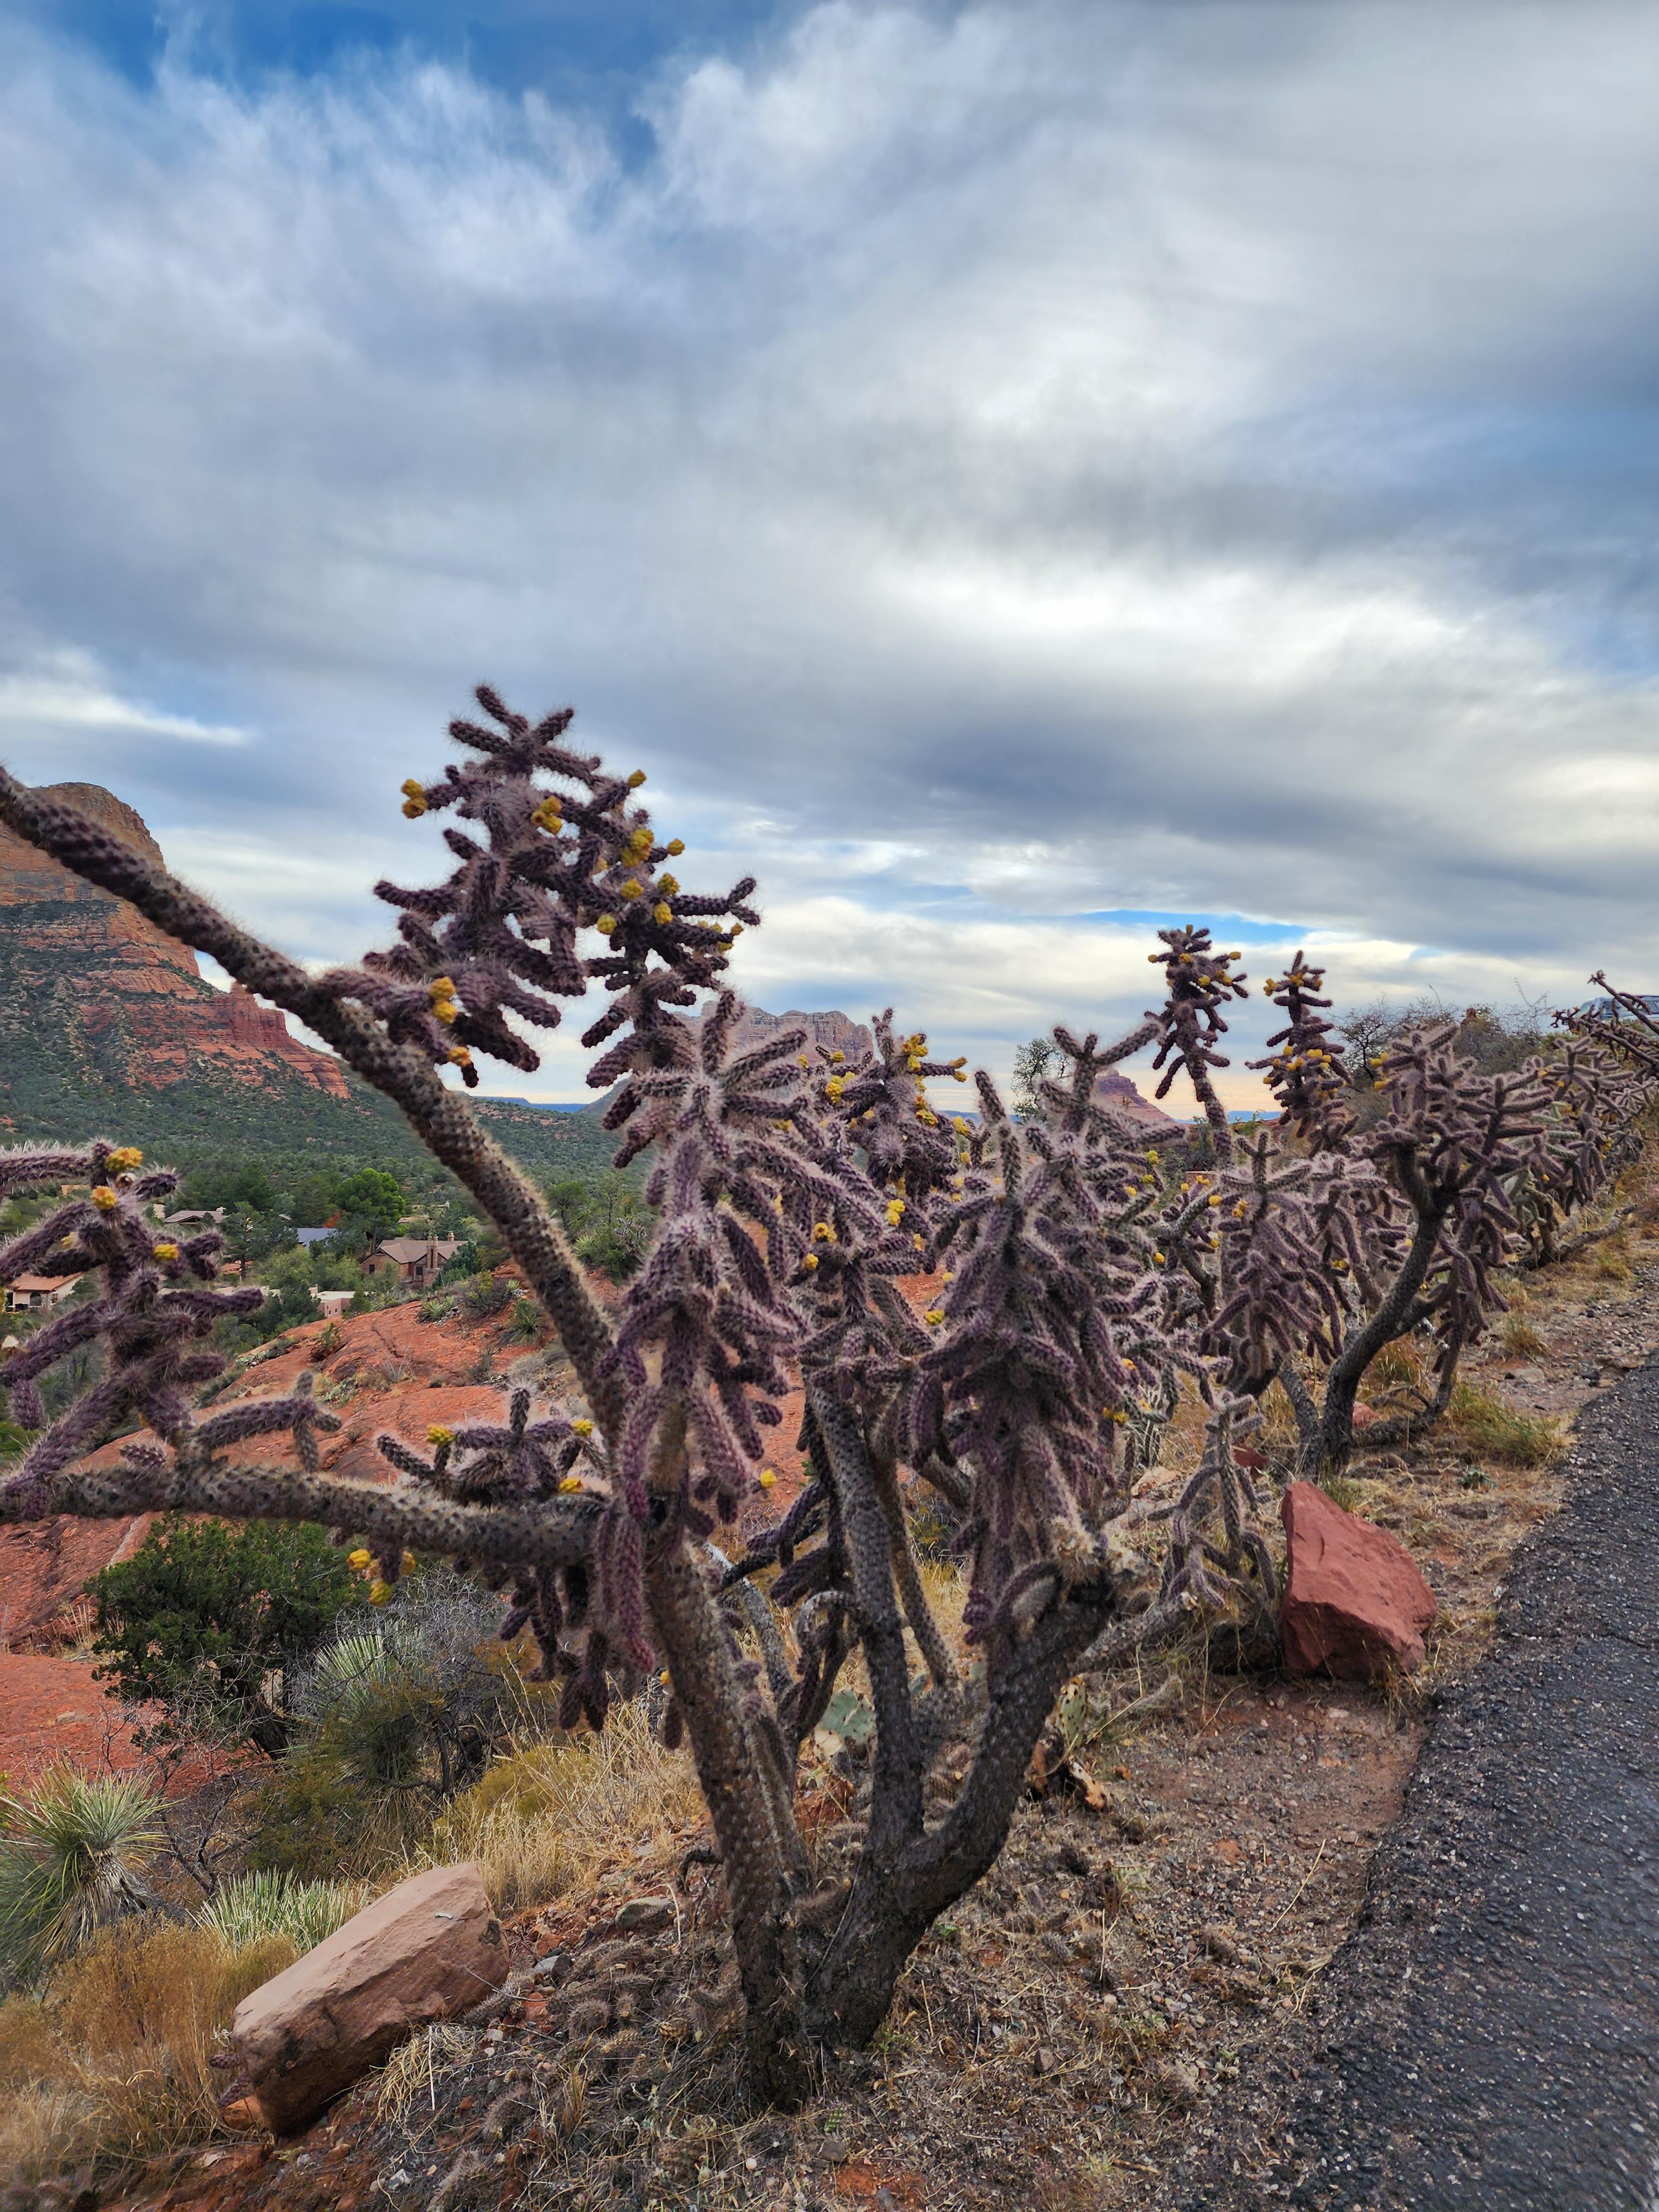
{"points": [[426, 1950], [1353, 1600]]}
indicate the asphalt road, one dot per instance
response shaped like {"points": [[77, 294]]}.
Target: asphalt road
{"points": [[1489, 2036]]}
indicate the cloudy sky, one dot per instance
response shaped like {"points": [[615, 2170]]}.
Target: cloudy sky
{"points": [[1012, 474]]}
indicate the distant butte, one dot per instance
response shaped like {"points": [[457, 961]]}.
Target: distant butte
{"points": [[126, 1003]]}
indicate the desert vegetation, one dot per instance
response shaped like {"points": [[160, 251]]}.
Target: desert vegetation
{"points": [[1076, 1288]]}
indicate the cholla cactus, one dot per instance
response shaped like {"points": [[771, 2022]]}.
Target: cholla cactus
{"points": [[1080, 1281], [1307, 1073]]}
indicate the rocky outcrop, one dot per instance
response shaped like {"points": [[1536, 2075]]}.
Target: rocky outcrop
{"points": [[93, 994], [835, 1031], [1118, 1092], [1354, 1603], [426, 1950]]}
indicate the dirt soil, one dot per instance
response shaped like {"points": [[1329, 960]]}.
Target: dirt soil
{"points": [[1092, 2022]]}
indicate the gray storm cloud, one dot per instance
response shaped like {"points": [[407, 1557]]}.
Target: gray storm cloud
{"points": [[1041, 459]]}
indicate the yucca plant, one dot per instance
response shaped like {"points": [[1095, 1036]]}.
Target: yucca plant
{"points": [[69, 1858], [250, 1907]]}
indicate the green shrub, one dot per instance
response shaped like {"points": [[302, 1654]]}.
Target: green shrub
{"points": [[485, 1296], [392, 1721], [209, 1616], [69, 1854]]}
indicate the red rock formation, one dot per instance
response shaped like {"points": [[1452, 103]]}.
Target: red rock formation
{"points": [[122, 999], [1116, 1090]]}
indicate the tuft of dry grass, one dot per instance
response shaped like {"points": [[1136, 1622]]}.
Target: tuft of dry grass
{"points": [[550, 1818], [1490, 1430], [1520, 1339]]}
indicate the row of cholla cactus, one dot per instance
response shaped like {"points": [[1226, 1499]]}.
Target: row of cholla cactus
{"points": [[1079, 1282]]}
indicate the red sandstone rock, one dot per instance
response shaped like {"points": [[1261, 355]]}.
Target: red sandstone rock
{"points": [[426, 1950], [1353, 1599], [132, 1001]]}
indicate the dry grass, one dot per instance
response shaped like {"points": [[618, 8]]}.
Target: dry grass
{"points": [[549, 1818], [1485, 1426], [111, 2062], [1520, 1339]]}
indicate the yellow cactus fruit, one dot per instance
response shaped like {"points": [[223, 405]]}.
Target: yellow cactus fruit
{"points": [[632, 888], [810, 1262], [933, 1316], [662, 914], [583, 1427], [359, 1558], [823, 1233], [570, 1486], [407, 1563], [459, 1056], [605, 924], [164, 1252], [676, 846], [894, 1211], [437, 1434], [379, 1593], [105, 1198], [636, 778], [124, 1158], [766, 1478]]}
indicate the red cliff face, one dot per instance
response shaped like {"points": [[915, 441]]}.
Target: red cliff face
{"points": [[124, 999]]}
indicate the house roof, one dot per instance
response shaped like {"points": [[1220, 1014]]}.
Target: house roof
{"points": [[406, 1250], [43, 1282]]}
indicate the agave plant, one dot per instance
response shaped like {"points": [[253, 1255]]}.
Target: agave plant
{"points": [[70, 1858]]}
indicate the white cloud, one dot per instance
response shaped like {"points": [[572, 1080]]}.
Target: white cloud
{"points": [[991, 465], [76, 698]]}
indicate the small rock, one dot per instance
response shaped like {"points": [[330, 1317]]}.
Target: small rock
{"points": [[1045, 2062], [553, 1968], [644, 1915]]}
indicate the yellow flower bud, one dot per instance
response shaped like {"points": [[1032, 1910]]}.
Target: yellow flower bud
{"points": [[105, 1198], [412, 810], [407, 1563], [437, 1434], [663, 1678], [676, 846], [837, 1055], [809, 1262], [359, 1558], [916, 1240], [662, 914], [823, 1233], [412, 787], [126, 1155], [766, 1478], [459, 1056], [570, 1486], [933, 1316], [605, 924], [379, 1593], [668, 885], [632, 888], [894, 1211], [164, 1251], [583, 1428], [636, 778]]}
